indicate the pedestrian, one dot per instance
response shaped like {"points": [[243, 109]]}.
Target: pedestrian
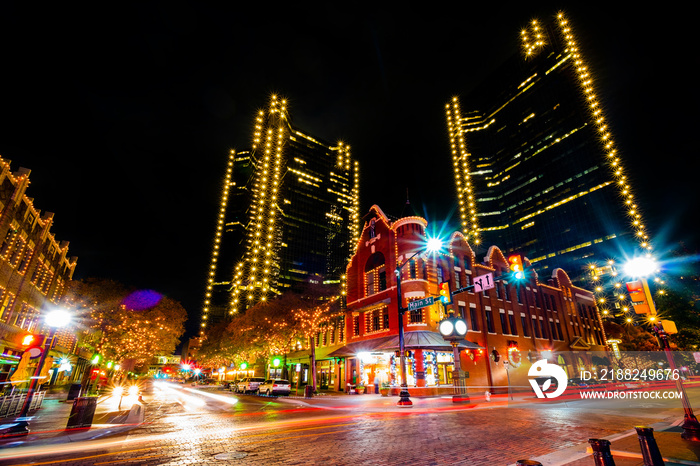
{"points": [[376, 382]]}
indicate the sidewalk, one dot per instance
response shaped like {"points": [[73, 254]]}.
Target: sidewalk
{"points": [[626, 450], [48, 424]]}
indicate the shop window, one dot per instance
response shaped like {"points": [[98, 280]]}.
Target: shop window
{"points": [[474, 319], [489, 322], [416, 316], [526, 329], [375, 274], [412, 269], [504, 323], [535, 327]]}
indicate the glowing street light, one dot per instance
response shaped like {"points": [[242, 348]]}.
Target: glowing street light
{"points": [[433, 245], [641, 268], [453, 329], [55, 319]]}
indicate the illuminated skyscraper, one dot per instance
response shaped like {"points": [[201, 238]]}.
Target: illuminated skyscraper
{"points": [[535, 165], [289, 213]]}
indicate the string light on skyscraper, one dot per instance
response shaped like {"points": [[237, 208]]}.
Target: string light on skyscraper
{"points": [[608, 285], [533, 39], [598, 119], [460, 162], [217, 240]]}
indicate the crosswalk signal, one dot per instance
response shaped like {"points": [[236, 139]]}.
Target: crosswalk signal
{"points": [[444, 291], [515, 263]]}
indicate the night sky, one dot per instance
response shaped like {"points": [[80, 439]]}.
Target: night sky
{"points": [[125, 115]]}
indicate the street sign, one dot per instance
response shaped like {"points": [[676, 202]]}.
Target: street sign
{"points": [[483, 282], [419, 303]]}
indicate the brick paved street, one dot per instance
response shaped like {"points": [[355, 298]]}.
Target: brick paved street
{"points": [[193, 429]]}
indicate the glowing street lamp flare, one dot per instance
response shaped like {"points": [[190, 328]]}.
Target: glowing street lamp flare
{"points": [[434, 245], [640, 267]]}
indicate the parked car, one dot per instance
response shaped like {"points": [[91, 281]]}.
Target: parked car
{"points": [[250, 384], [274, 387], [234, 385]]}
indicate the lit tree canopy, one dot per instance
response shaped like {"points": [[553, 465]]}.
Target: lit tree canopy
{"points": [[124, 324], [269, 328]]}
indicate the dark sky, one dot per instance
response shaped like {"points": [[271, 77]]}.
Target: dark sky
{"points": [[125, 115]]}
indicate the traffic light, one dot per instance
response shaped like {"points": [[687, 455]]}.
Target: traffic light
{"points": [[515, 262], [32, 341], [445, 295]]}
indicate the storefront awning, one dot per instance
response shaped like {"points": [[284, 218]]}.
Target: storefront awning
{"points": [[365, 346], [423, 339], [323, 352]]}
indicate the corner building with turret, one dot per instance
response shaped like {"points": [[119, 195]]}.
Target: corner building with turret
{"points": [[539, 317]]}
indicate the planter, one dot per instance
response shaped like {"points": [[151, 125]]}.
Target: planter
{"points": [[384, 391], [360, 390]]}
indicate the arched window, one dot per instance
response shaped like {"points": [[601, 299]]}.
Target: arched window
{"points": [[375, 274]]}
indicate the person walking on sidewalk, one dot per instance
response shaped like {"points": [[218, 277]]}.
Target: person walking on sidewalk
{"points": [[376, 382]]}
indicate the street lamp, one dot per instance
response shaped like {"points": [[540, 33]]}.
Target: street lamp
{"points": [[432, 245], [641, 268], [55, 319], [453, 329]]}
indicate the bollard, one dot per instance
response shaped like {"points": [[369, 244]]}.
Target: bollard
{"points": [[487, 394], [650, 450], [528, 463], [601, 452]]}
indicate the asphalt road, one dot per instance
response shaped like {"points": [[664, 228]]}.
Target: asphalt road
{"points": [[186, 425]]}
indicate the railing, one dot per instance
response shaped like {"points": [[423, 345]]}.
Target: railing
{"points": [[12, 405]]}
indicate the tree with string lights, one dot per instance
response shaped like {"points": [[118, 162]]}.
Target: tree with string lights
{"points": [[123, 325]]}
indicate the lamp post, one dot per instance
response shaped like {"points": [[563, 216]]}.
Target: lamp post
{"points": [[433, 245], [453, 329], [55, 319], [641, 268]]}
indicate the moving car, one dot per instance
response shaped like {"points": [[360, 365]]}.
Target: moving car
{"points": [[249, 384], [274, 387]]}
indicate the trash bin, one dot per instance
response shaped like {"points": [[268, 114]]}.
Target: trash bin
{"points": [[308, 391], [82, 412], [74, 391]]}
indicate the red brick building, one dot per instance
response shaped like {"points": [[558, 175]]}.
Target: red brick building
{"points": [[518, 323]]}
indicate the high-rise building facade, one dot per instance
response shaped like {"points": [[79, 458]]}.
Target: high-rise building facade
{"points": [[535, 164], [288, 214]]}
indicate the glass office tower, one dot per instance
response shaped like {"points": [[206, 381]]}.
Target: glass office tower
{"points": [[535, 165], [288, 215]]}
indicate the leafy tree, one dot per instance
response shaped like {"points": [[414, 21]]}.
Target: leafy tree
{"points": [[122, 328]]}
